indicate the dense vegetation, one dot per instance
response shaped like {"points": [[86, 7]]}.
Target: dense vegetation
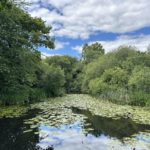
{"points": [[19, 60], [122, 76]]}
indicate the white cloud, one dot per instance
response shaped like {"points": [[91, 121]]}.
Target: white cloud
{"points": [[78, 48], [60, 45], [80, 18], [141, 42]]}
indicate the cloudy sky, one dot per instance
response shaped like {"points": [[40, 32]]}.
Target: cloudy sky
{"points": [[110, 22]]}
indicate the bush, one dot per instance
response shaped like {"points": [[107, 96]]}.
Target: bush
{"points": [[122, 76], [54, 81], [140, 79], [16, 95], [37, 95], [140, 98]]}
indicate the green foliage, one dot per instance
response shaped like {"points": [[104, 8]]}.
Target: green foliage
{"points": [[125, 52], [14, 95], [111, 85], [54, 81], [139, 98], [115, 77], [77, 77], [140, 59], [69, 65], [96, 68], [50, 79], [20, 35], [97, 86], [122, 76], [37, 94], [91, 52], [139, 84]]}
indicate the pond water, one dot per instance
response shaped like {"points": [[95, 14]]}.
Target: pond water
{"points": [[71, 128]]}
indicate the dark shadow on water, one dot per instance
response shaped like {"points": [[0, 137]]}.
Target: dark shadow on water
{"points": [[12, 136], [119, 128]]}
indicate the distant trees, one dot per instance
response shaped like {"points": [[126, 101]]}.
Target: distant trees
{"points": [[139, 84], [140, 79], [49, 83], [69, 66], [120, 76], [53, 81], [91, 52]]}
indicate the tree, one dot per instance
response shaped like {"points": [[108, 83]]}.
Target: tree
{"points": [[140, 59], [77, 77], [20, 35], [96, 68], [53, 80], [124, 52], [139, 85], [91, 52], [140, 79], [67, 64], [116, 77], [111, 81], [120, 76]]}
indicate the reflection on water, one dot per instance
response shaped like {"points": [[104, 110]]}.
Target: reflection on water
{"points": [[118, 128], [72, 137], [12, 136], [71, 129], [94, 132]]}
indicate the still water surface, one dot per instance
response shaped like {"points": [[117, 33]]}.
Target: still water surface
{"points": [[71, 129]]}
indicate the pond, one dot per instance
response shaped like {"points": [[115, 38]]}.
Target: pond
{"points": [[57, 126]]}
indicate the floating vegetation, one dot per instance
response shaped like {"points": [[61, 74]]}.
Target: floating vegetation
{"points": [[97, 107], [82, 122], [13, 111], [53, 118]]}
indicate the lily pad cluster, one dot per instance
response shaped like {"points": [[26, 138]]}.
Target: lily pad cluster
{"points": [[13, 111], [54, 116], [141, 139], [99, 107]]}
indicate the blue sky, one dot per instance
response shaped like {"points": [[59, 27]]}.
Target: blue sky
{"points": [[110, 22]]}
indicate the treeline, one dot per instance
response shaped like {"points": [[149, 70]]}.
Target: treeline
{"points": [[20, 62], [24, 76], [122, 76]]}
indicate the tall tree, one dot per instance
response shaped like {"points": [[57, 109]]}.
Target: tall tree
{"points": [[20, 36], [91, 52]]}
